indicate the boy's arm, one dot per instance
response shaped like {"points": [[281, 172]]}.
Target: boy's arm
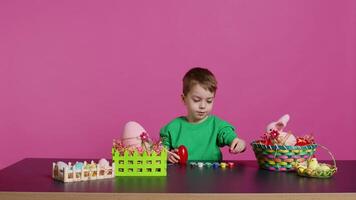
{"points": [[165, 138], [226, 135], [237, 146]]}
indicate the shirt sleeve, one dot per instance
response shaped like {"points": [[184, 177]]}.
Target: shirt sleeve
{"points": [[226, 135], [166, 137]]}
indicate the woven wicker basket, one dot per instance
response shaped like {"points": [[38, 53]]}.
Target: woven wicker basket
{"points": [[281, 158], [317, 173]]}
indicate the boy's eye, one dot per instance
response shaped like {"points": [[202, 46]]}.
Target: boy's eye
{"points": [[196, 100], [210, 100]]}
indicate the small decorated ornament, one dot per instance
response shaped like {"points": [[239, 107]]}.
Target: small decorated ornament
{"points": [[230, 164], [274, 134], [200, 164], [146, 141], [208, 164], [216, 165], [144, 136], [223, 165]]}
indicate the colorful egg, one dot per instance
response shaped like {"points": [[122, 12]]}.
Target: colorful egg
{"points": [[272, 168], [216, 165], [61, 165], [301, 169], [200, 164], [283, 163], [230, 164], [208, 164], [271, 162], [271, 156], [223, 165], [78, 166], [131, 134], [183, 154], [282, 169], [103, 163], [289, 160]]}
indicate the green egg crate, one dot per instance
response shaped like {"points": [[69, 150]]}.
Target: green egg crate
{"points": [[136, 164]]}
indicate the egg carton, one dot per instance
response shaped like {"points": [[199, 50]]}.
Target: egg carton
{"points": [[140, 164], [82, 171]]}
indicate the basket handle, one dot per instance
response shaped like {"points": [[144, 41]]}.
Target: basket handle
{"points": [[332, 156]]}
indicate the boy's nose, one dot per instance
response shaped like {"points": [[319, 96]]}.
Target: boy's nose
{"points": [[202, 105]]}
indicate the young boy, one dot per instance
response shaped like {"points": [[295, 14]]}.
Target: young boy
{"points": [[202, 134]]}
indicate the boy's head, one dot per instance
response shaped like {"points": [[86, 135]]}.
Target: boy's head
{"points": [[199, 88], [200, 76]]}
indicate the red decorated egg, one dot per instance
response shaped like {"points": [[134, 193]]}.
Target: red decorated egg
{"points": [[301, 142], [183, 154]]}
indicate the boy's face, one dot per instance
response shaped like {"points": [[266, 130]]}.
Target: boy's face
{"points": [[199, 103]]}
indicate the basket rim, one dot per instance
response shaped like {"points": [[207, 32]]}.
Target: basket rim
{"points": [[283, 147]]}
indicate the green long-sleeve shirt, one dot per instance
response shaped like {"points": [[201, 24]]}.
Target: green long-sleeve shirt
{"points": [[203, 140]]}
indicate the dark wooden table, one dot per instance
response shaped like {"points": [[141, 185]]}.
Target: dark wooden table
{"points": [[31, 179]]}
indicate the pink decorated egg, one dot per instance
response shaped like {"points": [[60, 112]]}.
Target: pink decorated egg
{"points": [[103, 164], [131, 134]]}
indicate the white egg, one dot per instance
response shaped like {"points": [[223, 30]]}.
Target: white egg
{"points": [[61, 165], [290, 139]]}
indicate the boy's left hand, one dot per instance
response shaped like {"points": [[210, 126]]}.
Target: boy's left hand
{"points": [[237, 146]]}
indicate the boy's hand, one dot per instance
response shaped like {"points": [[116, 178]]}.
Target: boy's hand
{"points": [[173, 156], [237, 146]]}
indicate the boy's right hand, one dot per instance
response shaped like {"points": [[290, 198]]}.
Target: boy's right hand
{"points": [[173, 156]]}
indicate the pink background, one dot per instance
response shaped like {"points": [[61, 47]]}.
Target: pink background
{"points": [[73, 72]]}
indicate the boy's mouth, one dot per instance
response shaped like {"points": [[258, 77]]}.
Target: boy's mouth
{"points": [[201, 113]]}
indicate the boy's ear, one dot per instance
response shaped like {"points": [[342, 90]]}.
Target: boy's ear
{"points": [[183, 98]]}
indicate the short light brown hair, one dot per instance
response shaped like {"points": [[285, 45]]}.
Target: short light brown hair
{"points": [[201, 76]]}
